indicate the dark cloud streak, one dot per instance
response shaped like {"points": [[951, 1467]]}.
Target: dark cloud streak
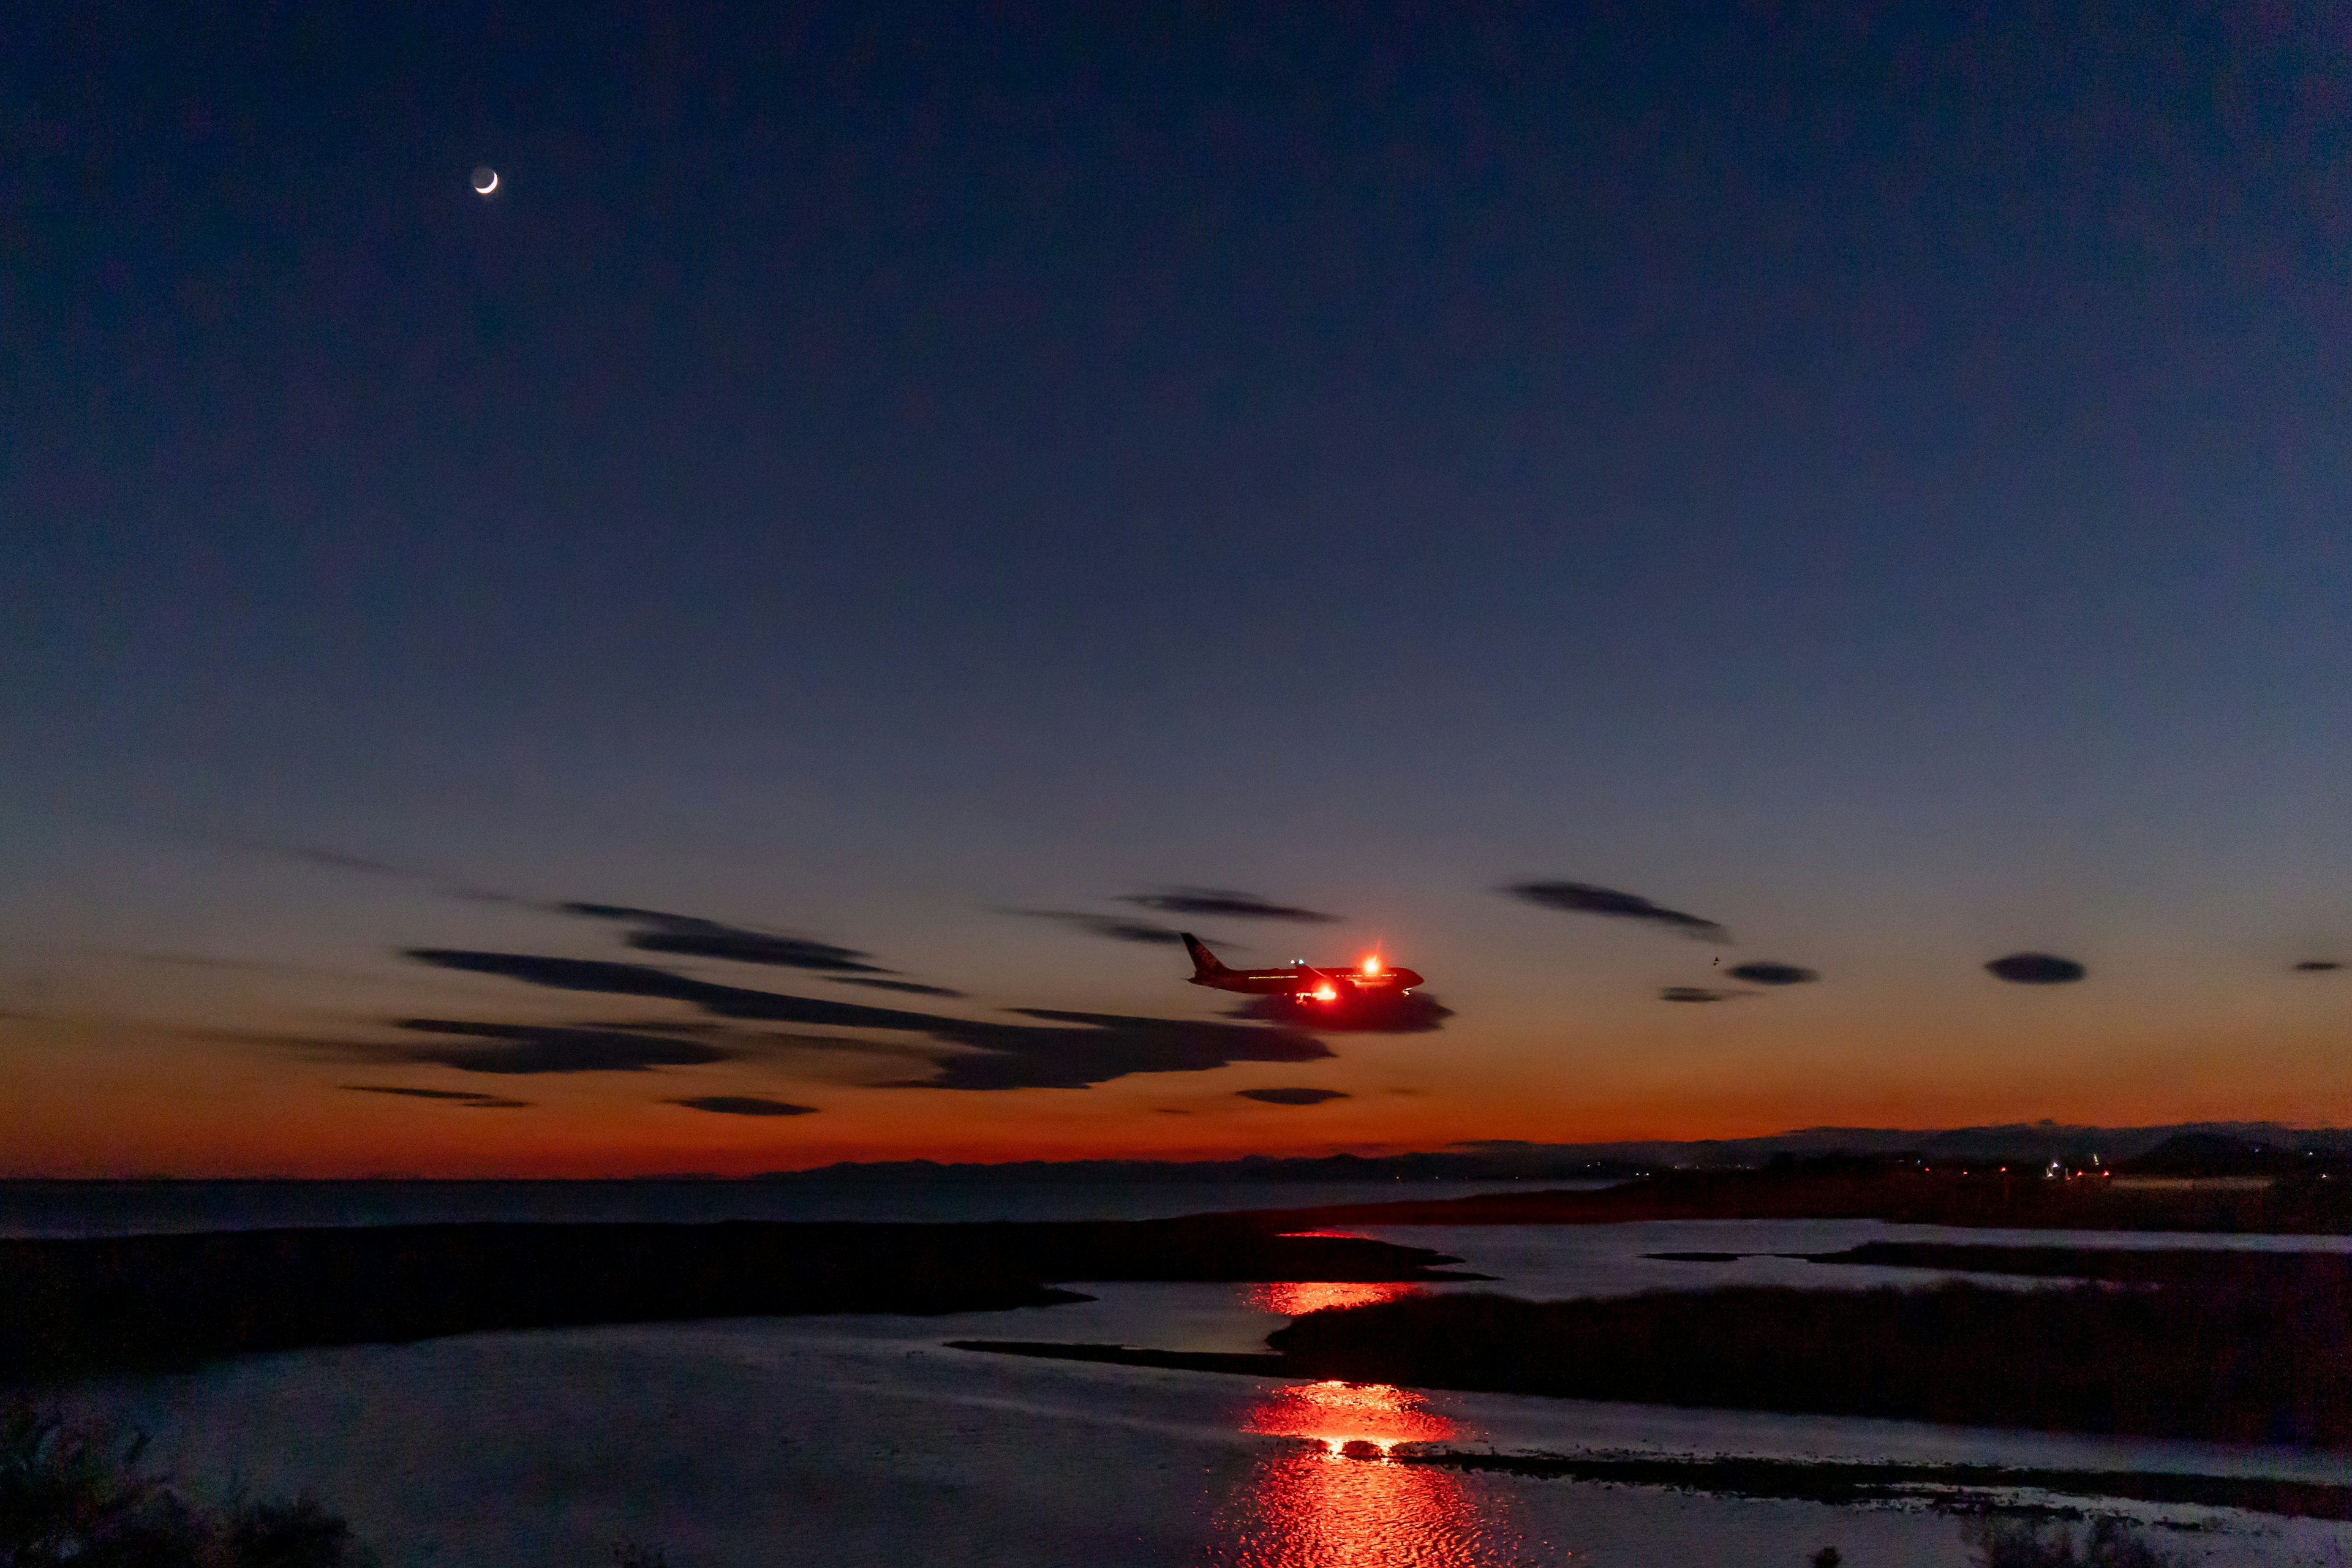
{"points": [[743, 1105], [1585, 898], [1103, 1046], [692, 936], [996, 1056], [1764, 971], [1291, 1096], [1225, 902], [2035, 969], [531, 1049], [1419, 1014], [605, 978]]}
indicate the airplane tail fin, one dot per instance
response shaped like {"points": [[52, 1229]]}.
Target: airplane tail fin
{"points": [[1203, 961]]}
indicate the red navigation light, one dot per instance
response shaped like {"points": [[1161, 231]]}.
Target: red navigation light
{"points": [[1327, 994], [1372, 965]]}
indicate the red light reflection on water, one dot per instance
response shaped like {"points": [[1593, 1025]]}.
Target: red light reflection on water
{"points": [[1296, 1299], [1338, 1414], [1347, 1502]]}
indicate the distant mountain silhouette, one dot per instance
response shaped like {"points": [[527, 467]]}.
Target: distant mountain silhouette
{"points": [[1505, 1159], [2201, 1154]]}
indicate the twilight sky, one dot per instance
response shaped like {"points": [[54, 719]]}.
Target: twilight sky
{"points": [[730, 652]]}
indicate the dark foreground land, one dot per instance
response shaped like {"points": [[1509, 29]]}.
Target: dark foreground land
{"points": [[72, 1308], [2304, 1205], [1970, 1489]]}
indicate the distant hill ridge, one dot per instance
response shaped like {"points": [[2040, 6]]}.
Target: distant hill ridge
{"points": [[2197, 1148]]}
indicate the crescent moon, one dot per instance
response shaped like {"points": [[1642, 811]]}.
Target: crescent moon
{"points": [[483, 190]]}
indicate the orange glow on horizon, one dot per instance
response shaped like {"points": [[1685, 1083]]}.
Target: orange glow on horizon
{"points": [[132, 1099]]}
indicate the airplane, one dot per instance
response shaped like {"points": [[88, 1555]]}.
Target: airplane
{"points": [[1301, 981]]}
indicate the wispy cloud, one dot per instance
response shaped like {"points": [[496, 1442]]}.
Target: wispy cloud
{"points": [[363, 865], [909, 987], [1110, 928], [454, 1095], [314, 854]]}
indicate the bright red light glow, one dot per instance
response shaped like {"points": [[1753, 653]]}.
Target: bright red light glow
{"points": [[1347, 1502], [1296, 1299], [1327, 994], [1372, 965], [1338, 1414]]}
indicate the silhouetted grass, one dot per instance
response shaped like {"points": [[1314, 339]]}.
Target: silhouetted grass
{"points": [[2228, 1364], [72, 1495], [2010, 1544], [1844, 1482]]}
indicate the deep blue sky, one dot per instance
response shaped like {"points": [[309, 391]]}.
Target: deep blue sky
{"points": [[1880, 481]]}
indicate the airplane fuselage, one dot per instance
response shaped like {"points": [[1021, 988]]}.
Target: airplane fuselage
{"points": [[1306, 979], [1301, 981]]}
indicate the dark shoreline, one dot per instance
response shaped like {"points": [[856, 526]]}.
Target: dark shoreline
{"points": [[1803, 1480], [2202, 1267], [1969, 1486], [2288, 1207], [81, 1307], [157, 1302], [2249, 1348], [2225, 1363], [1245, 1363]]}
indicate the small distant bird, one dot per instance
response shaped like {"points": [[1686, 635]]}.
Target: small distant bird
{"points": [[486, 180]]}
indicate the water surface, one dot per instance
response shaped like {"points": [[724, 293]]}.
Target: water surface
{"points": [[855, 1441]]}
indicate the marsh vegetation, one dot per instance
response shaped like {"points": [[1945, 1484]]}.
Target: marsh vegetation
{"points": [[2225, 1365]]}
